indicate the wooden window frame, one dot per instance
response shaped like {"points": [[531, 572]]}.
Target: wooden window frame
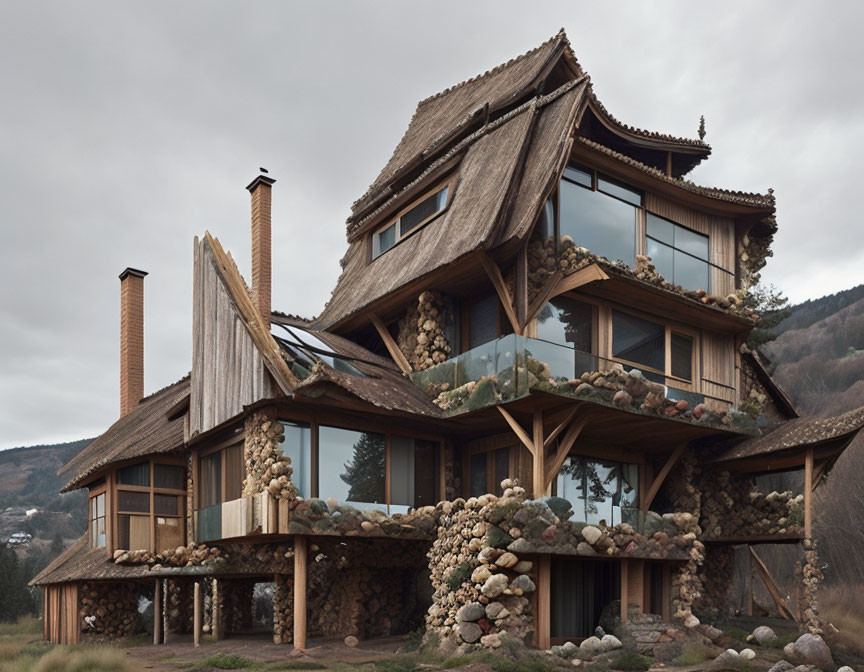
{"points": [[221, 448], [489, 446], [449, 183], [102, 490]]}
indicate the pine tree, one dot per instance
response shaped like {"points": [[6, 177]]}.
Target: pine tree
{"points": [[365, 473], [771, 307]]}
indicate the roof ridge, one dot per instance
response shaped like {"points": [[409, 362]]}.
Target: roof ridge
{"points": [[655, 135], [754, 199]]}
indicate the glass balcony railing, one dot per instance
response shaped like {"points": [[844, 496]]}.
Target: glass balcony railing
{"points": [[513, 366]]}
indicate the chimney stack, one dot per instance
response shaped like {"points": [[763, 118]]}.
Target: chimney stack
{"points": [[261, 188], [131, 339]]}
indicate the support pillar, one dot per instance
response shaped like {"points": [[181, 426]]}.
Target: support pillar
{"points": [[539, 469], [808, 494], [544, 601], [196, 618], [300, 562], [157, 612], [216, 607], [625, 584]]}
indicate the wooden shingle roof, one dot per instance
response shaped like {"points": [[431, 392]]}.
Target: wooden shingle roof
{"points": [[79, 562]]}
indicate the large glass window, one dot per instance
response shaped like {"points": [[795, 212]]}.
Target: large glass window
{"points": [[638, 341], [603, 221], [566, 322], [351, 466], [298, 447], [169, 476], [412, 473], [599, 490], [141, 508], [97, 520], [483, 321], [680, 255]]}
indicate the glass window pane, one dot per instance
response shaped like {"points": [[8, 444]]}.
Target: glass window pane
{"points": [[619, 191], [351, 466], [483, 321], [566, 322], [166, 505], [502, 468], [660, 229], [638, 341], [662, 258], [211, 479], [402, 471], [384, 240], [100, 532], [603, 225], [170, 476], [682, 356], [425, 470], [298, 447], [170, 533], [235, 472], [138, 502], [133, 533], [691, 273], [478, 474], [100, 505], [546, 225], [579, 176], [691, 242], [421, 212], [137, 474], [598, 489]]}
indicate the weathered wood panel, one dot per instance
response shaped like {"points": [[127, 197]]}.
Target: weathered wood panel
{"points": [[718, 369], [720, 230], [228, 371]]}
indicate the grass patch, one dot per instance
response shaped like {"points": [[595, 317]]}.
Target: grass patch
{"points": [[229, 661], [27, 625], [693, 654], [841, 606], [524, 665], [735, 632], [458, 661], [782, 640], [81, 658], [630, 661]]}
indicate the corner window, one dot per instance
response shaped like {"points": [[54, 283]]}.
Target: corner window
{"points": [[645, 344], [151, 497], [97, 521], [599, 490], [410, 219], [351, 466], [680, 255], [567, 322]]}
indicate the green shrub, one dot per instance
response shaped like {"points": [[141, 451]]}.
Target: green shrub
{"points": [[630, 661], [228, 661], [735, 632], [693, 654]]}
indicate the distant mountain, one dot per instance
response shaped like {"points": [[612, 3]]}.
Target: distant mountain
{"points": [[813, 310], [28, 480]]}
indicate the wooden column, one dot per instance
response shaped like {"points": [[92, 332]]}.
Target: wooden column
{"points": [[748, 607], [808, 494], [157, 612], [636, 576], [300, 558], [544, 601], [666, 597], [539, 452], [196, 618], [625, 584], [216, 610]]}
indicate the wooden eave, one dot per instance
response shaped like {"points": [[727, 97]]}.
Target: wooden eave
{"points": [[786, 459]]}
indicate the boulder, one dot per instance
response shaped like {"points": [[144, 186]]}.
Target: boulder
{"points": [[845, 668], [469, 632], [591, 534], [473, 611], [783, 666], [495, 585], [729, 658], [610, 642], [496, 610], [763, 634], [810, 650], [569, 649], [522, 583], [507, 560], [590, 647], [351, 641], [493, 641], [747, 654]]}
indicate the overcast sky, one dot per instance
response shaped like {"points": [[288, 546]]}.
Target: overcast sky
{"points": [[128, 128]]}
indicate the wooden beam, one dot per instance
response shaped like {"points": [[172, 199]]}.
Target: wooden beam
{"points": [[521, 297], [625, 583], [564, 447], [819, 471], [808, 494], [538, 480], [544, 601], [517, 429], [157, 612], [543, 295], [500, 286], [664, 472], [300, 560], [397, 354], [196, 617], [768, 580], [559, 284], [561, 426]]}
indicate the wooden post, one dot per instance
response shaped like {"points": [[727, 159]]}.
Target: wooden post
{"points": [[748, 607], [666, 597], [196, 618], [300, 558], [544, 601], [808, 494], [625, 583], [157, 612], [216, 611], [539, 470], [635, 591]]}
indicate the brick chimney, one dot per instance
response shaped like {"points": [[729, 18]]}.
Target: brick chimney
{"points": [[131, 339], [261, 189]]}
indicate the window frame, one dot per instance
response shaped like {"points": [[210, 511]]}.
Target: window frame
{"points": [[101, 491], [222, 449], [393, 220]]}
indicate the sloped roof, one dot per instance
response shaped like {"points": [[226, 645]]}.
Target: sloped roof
{"points": [[796, 434], [146, 430], [79, 562]]}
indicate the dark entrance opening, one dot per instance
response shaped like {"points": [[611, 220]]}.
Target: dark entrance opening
{"points": [[581, 589]]}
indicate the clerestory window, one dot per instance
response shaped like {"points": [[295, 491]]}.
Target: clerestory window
{"points": [[410, 219]]}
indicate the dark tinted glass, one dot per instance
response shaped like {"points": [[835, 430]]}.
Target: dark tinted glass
{"points": [[682, 356], [137, 474], [566, 322], [579, 176], [166, 505], [691, 242], [211, 479], [385, 239], [619, 191], [169, 476], [425, 468], [422, 211], [502, 468], [691, 273], [546, 225], [662, 258], [351, 465], [603, 225], [478, 474], [483, 321], [298, 447], [638, 341], [137, 502], [412, 473]]}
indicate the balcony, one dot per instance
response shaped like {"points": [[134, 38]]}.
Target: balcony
{"points": [[513, 367], [238, 518]]}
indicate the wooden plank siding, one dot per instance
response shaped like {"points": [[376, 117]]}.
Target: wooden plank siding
{"points": [[228, 370], [718, 367], [721, 233], [62, 625]]}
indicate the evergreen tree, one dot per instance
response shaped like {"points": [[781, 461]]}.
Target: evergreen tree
{"points": [[15, 597], [56, 545], [365, 473], [771, 306]]}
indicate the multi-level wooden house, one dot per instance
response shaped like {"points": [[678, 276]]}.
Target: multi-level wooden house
{"points": [[527, 407]]}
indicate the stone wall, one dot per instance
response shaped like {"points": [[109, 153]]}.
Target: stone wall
{"points": [[422, 336], [811, 576], [178, 606], [716, 576], [109, 609], [266, 467]]}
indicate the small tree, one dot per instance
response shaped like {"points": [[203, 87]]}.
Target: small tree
{"points": [[771, 307], [365, 473]]}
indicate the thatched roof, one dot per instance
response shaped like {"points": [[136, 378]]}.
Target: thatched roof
{"points": [[795, 435], [79, 562], [147, 430]]}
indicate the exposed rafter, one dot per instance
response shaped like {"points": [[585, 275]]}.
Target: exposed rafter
{"points": [[397, 355], [500, 286]]}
